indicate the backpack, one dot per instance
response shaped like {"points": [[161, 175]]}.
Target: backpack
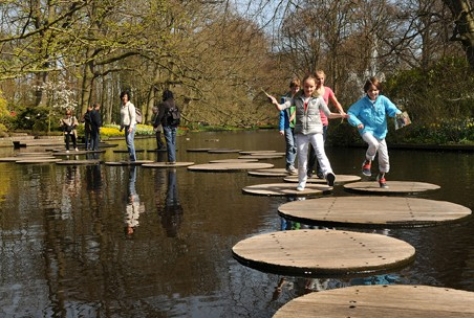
{"points": [[138, 116], [174, 117]]}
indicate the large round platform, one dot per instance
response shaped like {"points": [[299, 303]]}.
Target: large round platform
{"points": [[128, 163], [234, 160], [167, 164], [257, 152], [394, 187], [64, 153], [381, 301], [323, 253], [219, 167], [80, 162], [19, 158], [270, 172], [223, 150], [373, 211], [34, 160], [260, 156], [285, 189], [340, 179]]}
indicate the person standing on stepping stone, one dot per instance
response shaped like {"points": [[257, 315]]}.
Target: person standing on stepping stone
{"points": [[309, 128], [128, 123], [369, 115], [168, 129], [287, 127]]}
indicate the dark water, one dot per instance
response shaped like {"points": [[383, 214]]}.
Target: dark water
{"points": [[64, 251]]}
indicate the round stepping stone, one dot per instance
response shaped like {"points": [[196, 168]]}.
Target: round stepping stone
{"points": [[197, 150], [323, 253], [285, 189], [223, 150], [373, 211], [393, 187], [259, 157], [63, 153], [229, 166], [79, 162], [35, 154], [128, 163], [339, 179], [17, 158], [234, 160], [381, 301], [126, 151], [167, 164], [256, 152], [39, 161], [271, 172]]}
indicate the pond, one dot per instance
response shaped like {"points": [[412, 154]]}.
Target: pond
{"points": [[65, 251]]}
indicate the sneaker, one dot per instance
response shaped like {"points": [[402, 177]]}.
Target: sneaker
{"points": [[76, 149], [382, 181], [366, 168], [292, 170], [67, 151], [330, 177], [300, 187]]}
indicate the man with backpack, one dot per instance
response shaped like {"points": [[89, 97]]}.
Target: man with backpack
{"points": [[169, 118]]}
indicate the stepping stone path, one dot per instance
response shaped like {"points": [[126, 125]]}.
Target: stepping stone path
{"points": [[404, 187], [323, 253], [340, 179], [285, 189], [222, 167]]}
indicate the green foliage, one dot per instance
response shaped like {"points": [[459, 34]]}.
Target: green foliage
{"points": [[34, 119]]}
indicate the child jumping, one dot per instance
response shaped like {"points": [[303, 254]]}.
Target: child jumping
{"points": [[309, 128], [369, 115]]}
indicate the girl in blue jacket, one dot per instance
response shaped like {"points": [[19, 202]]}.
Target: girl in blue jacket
{"points": [[369, 115]]}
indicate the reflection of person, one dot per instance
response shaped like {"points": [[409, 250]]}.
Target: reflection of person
{"points": [[330, 98], [309, 129], [158, 128], [128, 122], [86, 118], [287, 127], [369, 115], [96, 123], [168, 130], [133, 210], [69, 124], [171, 216]]}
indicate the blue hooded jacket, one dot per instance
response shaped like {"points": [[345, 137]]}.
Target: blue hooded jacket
{"points": [[373, 115]]}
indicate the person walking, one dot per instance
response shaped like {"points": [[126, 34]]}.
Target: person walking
{"points": [[329, 98], [287, 127], [96, 123], [128, 123], [169, 130], [86, 118], [369, 115], [309, 128], [69, 124], [158, 128]]}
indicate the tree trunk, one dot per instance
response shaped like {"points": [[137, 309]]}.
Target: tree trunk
{"points": [[464, 28]]}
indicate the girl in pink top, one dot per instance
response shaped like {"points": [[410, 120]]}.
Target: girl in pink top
{"points": [[329, 98]]}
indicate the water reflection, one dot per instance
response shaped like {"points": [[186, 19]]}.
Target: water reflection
{"points": [[133, 207], [71, 189], [172, 213]]}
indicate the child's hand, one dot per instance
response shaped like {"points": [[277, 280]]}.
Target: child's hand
{"points": [[272, 99], [360, 126]]}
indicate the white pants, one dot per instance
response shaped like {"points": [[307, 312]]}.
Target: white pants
{"points": [[377, 147], [302, 144]]}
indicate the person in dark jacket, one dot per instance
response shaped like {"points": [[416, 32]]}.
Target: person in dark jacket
{"points": [[158, 128], [86, 118], [169, 130], [96, 123]]}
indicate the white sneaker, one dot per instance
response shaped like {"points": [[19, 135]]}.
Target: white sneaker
{"points": [[292, 170], [67, 151], [301, 187], [76, 149]]}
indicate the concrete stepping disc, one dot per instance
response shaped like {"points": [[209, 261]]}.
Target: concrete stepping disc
{"points": [[16, 158], [39, 161], [126, 151], [382, 301], [285, 189], [167, 164], [259, 157], [79, 162], [223, 150], [128, 163], [63, 153], [234, 160], [216, 167], [393, 187], [323, 253], [197, 150], [256, 152], [373, 211], [340, 179], [270, 172]]}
